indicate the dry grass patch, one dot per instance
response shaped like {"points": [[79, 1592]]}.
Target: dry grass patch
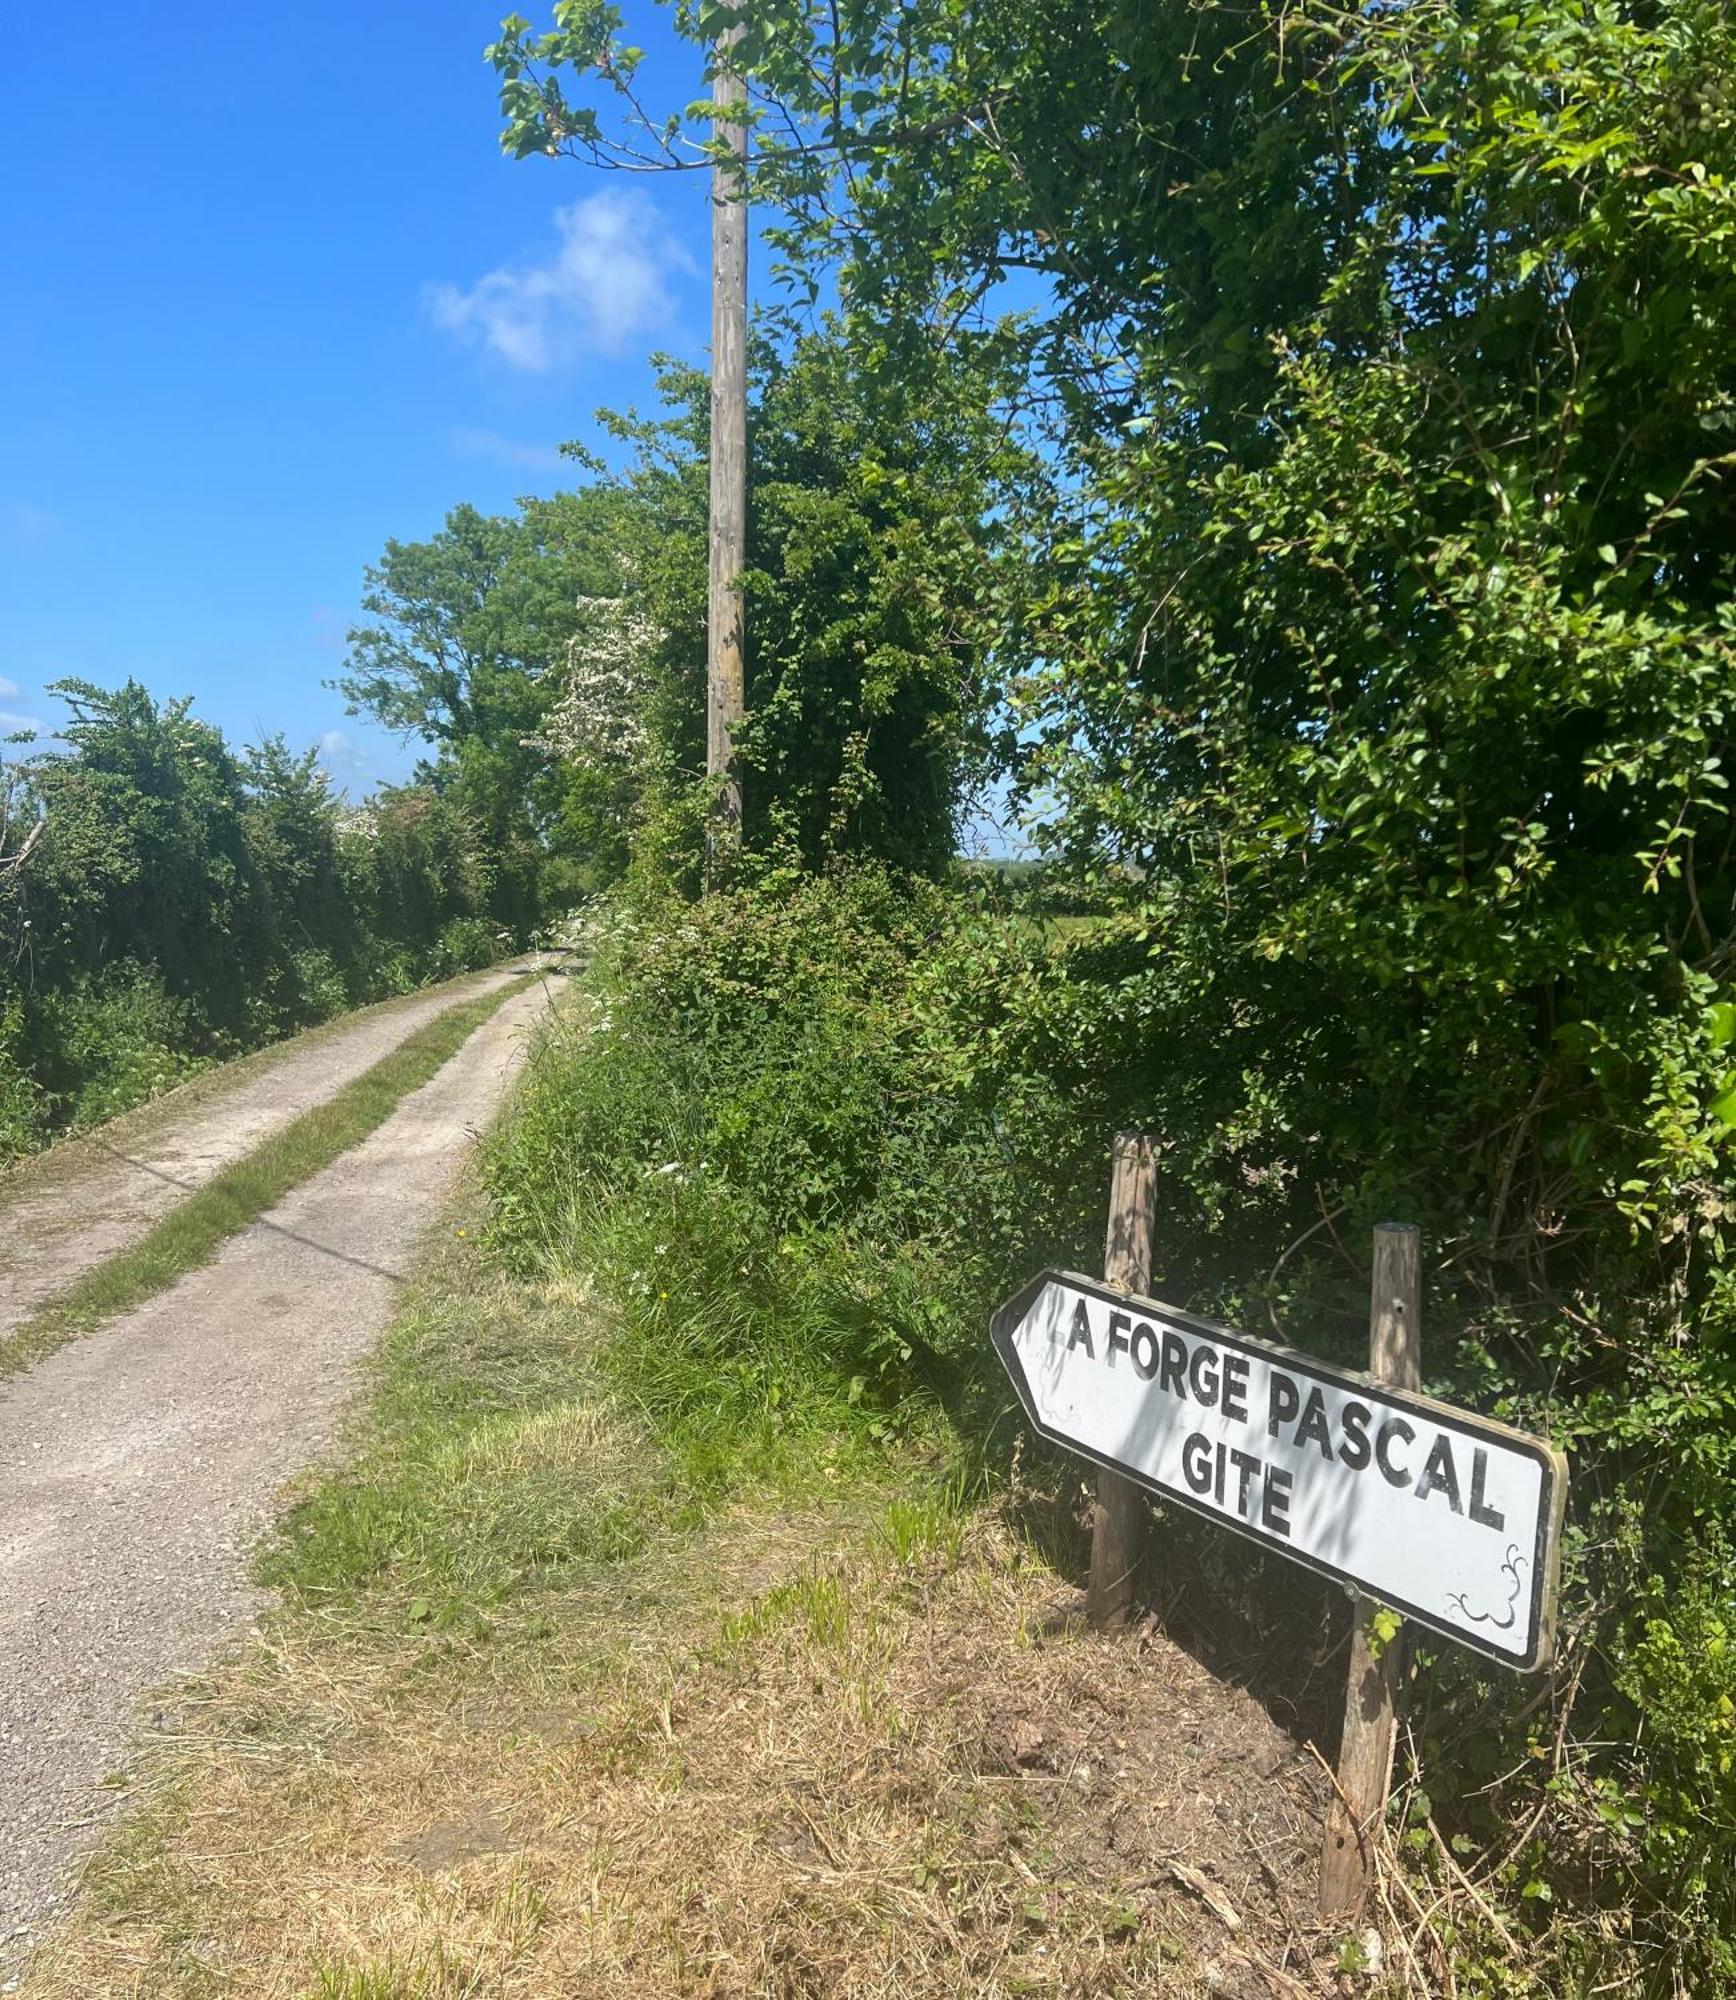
{"points": [[833, 1755]]}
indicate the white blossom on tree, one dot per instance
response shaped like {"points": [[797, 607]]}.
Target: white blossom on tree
{"points": [[599, 716], [358, 822]]}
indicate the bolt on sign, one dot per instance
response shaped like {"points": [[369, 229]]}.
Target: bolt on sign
{"points": [[1451, 1518]]}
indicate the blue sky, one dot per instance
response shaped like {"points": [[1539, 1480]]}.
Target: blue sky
{"points": [[273, 294]]}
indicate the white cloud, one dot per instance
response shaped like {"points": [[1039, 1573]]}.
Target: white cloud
{"points": [[346, 763], [11, 721], [471, 442], [342, 758], [604, 285], [9, 690]]}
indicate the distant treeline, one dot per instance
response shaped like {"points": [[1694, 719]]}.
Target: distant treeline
{"points": [[182, 901]]}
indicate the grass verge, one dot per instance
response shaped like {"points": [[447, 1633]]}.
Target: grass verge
{"points": [[536, 1719], [192, 1233]]}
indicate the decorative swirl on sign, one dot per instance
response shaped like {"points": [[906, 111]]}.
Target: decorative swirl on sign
{"points": [[1511, 1568]]}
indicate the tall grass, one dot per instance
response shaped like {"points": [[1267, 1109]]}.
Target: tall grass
{"points": [[796, 1203], [493, 1461]]}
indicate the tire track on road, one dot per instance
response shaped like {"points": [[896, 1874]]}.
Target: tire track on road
{"points": [[56, 1224], [138, 1466]]}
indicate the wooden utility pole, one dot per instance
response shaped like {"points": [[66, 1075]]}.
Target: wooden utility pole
{"points": [[1118, 1520], [1354, 1819], [725, 678]]}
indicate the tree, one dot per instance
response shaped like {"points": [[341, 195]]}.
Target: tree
{"points": [[881, 536], [165, 901], [291, 827], [470, 628], [145, 853]]}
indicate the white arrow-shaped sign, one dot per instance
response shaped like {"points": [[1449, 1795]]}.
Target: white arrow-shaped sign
{"points": [[1451, 1518]]}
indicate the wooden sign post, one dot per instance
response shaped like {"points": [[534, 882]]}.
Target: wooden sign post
{"points": [[1451, 1519], [1354, 1818], [1119, 1518]]}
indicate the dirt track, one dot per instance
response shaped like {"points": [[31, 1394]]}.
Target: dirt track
{"points": [[64, 1213], [137, 1466]]}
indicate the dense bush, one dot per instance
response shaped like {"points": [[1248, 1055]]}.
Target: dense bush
{"points": [[106, 1041], [23, 1111], [776, 1151], [819, 1125], [181, 904]]}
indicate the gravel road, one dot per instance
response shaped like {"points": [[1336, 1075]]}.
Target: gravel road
{"points": [[62, 1214], [138, 1466]]}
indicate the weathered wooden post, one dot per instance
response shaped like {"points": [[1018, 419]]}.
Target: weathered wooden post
{"points": [[1118, 1520], [725, 656], [1355, 1818]]}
